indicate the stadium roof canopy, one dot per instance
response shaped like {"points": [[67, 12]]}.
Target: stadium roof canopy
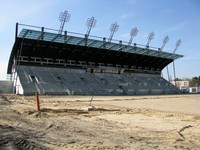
{"points": [[40, 44]]}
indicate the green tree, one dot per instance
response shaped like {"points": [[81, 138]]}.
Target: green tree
{"points": [[195, 81]]}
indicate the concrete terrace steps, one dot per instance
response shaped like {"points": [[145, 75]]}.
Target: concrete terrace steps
{"points": [[59, 81]]}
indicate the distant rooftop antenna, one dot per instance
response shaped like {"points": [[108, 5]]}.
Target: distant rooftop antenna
{"points": [[165, 40], [133, 34], [113, 28], [64, 17], [178, 43], [91, 22], [150, 37]]}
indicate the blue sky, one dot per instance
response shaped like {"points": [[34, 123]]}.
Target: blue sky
{"points": [[175, 18]]}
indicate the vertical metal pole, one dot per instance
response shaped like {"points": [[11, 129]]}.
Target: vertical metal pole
{"points": [[168, 74], [86, 38], [42, 36], [174, 73], [16, 31], [38, 101], [104, 43], [65, 36]]}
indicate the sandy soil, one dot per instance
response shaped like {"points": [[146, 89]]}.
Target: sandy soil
{"points": [[121, 122]]}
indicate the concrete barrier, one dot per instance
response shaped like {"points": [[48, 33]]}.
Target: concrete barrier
{"points": [[6, 87]]}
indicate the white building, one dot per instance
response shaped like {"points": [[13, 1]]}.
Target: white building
{"points": [[194, 89], [181, 84]]}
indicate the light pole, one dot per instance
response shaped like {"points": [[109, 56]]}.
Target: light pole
{"points": [[91, 22], [133, 34], [165, 41], [64, 17], [113, 28], [150, 37]]}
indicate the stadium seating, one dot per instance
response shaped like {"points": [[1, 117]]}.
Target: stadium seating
{"points": [[60, 81]]}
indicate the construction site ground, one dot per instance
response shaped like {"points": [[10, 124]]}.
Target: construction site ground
{"points": [[112, 122]]}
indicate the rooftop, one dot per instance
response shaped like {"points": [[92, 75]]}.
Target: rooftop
{"points": [[95, 43], [33, 47]]}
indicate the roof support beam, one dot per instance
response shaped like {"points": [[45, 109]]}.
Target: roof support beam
{"points": [[92, 43], [122, 47], [25, 34], [55, 37], [41, 37], [104, 44]]}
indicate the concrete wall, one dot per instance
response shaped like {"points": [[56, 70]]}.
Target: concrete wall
{"points": [[6, 86]]}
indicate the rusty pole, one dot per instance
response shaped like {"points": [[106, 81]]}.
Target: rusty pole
{"points": [[38, 101]]}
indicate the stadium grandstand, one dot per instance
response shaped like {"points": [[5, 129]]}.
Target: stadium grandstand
{"points": [[52, 63]]}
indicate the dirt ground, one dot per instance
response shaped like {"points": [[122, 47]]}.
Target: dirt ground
{"points": [[117, 122]]}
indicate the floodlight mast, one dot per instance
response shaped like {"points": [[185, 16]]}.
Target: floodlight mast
{"points": [[165, 41], [64, 17], [91, 22], [178, 43], [133, 34], [113, 28], [150, 37]]}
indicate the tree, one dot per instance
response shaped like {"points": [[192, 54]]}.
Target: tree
{"points": [[195, 81]]}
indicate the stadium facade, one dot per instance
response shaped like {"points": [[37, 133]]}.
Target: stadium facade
{"points": [[73, 64]]}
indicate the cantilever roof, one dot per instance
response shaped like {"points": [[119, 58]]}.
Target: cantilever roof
{"points": [[79, 41], [32, 43]]}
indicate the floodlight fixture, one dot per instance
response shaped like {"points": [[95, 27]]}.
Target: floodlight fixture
{"points": [[91, 22], [165, 41], [133, 34], [64, 17], [150, 37], [113, 28], [178, 43]]}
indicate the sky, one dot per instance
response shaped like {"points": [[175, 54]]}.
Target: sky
{"points": [[179, 19]]}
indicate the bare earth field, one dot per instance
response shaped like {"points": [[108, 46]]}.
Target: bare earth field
{"points": [[117, 122]]}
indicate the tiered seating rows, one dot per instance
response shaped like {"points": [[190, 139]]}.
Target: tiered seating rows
{"points": [[78, 82]]}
